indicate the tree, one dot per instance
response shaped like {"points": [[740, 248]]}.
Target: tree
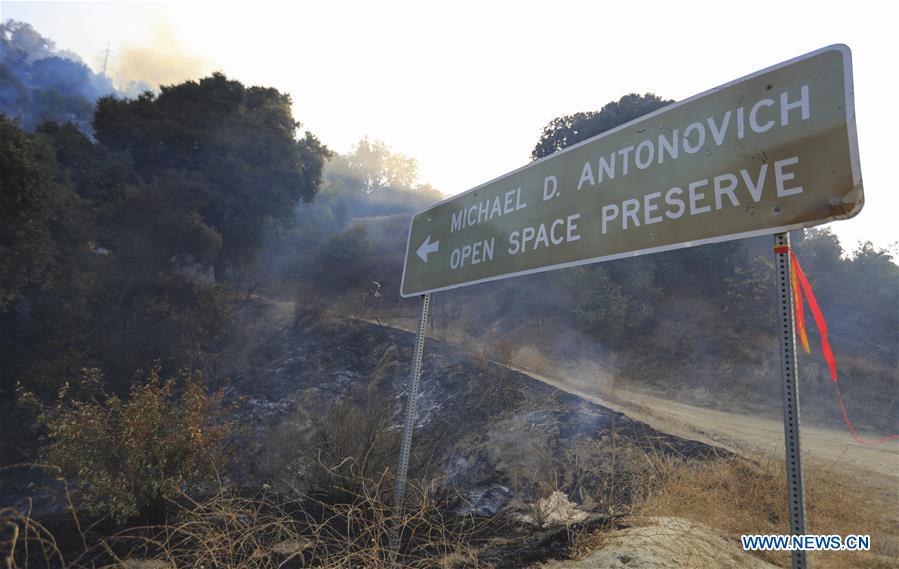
{"points": [[344, 260], [372, 165], [30, 196], [47, 274], [613, 301], [110, 249], [223, 150], [46, 245], [566, 130], [857, 293], [155, 295], [96, 174], [874, 300], [820, 249]]}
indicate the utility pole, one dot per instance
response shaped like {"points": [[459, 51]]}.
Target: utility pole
{"points": [[106, 59]]}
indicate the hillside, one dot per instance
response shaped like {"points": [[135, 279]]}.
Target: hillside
{"points": [[479, 426], [205, 353], [497, 443]]}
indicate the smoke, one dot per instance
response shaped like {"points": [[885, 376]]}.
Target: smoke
{"points": [[163, 61], [39, 82], [25, 40]]}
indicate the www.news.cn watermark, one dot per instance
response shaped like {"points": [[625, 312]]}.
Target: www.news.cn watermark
{"points": [[774, 542]]}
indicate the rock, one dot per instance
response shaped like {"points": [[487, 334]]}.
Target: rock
{"points": [[554, 510], [666, 543], [292, 547]]}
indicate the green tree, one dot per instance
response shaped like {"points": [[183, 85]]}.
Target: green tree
{"points": [[344, 260], [226, 151], [566, 130], [372, 165], [874, 302], [28, 201], [155, 297], [31, 196], [858, 293], [47, 263], [42, 83], [96, 174], [613, 301], [119, 251], [820, 249]]}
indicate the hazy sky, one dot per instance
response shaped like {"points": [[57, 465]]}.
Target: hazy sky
{"points": [[466, 87]]}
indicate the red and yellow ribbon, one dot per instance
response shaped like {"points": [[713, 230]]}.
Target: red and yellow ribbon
{"points": [[802, 286], [800, 312]]}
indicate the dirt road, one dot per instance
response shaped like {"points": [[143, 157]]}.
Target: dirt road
{"points": [[741, 433], [874, 466]]}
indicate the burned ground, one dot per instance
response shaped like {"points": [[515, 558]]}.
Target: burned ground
{"points": [[498, 437], [500, 448]]}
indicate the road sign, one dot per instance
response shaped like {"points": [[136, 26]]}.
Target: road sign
{"points": [[767, 153]]}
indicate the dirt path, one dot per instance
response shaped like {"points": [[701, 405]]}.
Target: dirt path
{"points": [[878, 465], [875, 466]]}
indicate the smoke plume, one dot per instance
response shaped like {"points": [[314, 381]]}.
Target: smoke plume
{"points": [[163, 61], [39, 82]]}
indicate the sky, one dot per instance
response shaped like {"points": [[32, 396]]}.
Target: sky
{"points": [[466, 87]]}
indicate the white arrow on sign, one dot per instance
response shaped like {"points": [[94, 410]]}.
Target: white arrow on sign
{"points": [[427, 248]]}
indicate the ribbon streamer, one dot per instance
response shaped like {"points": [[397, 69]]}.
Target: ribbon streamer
{"points": [[801, 285]]}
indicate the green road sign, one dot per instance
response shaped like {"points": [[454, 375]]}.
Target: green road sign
{"points": [[767, 153]]}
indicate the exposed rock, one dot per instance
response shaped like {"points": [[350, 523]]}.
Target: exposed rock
{"points": [[554, 510], [292, 546], [666, 543]]}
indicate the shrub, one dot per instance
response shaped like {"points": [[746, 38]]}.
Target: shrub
{"points": [[353, 443], [131, 457], [343, 262]]}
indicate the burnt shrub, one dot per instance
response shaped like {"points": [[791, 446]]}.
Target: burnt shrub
{"points": [[355, 442]]}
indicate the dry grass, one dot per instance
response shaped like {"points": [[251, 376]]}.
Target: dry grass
{"points": [[741, 496], [342, 517], [530, 358], [262, 532]]}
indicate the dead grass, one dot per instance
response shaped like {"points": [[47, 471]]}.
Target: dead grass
{"points": [[742, 496], [262, 532], [530, 358]]}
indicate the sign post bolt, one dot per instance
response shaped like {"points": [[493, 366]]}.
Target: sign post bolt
{"points": [[787, 324]]}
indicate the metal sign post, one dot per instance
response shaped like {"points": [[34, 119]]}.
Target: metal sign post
{"points": [[795, 490], [409, 423]]}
